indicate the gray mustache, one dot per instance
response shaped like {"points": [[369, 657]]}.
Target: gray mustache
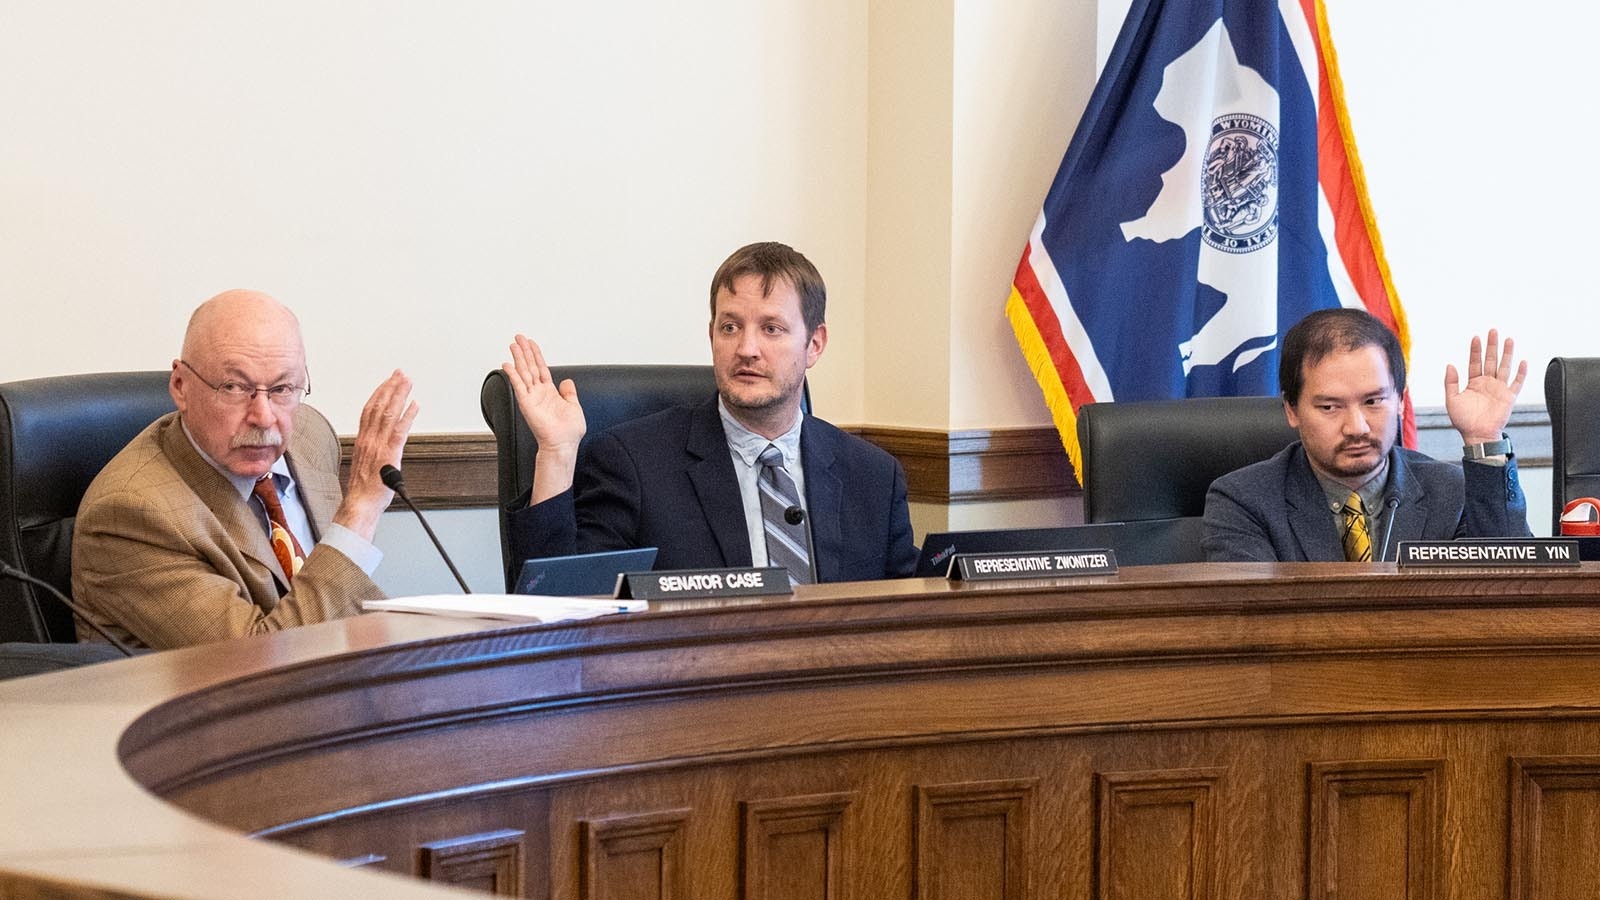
{"points": [[257, 437]]}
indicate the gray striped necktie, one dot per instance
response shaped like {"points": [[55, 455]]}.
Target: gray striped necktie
{"points": [[788, 543]]}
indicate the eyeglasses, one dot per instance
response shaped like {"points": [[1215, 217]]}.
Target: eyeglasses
{"points": [[235, 393]]}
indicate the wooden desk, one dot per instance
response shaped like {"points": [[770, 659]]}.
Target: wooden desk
{"points": [[1239, 731]]}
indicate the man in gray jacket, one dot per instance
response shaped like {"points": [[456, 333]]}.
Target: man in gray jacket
{"points": [[1345, 491]]}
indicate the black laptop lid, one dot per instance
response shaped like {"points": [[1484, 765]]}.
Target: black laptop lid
{"points": [[582, 574]]}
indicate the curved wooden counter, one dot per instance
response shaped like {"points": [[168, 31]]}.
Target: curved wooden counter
{"points": [[1241, 731]]}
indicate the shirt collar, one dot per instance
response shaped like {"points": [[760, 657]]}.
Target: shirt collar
{"points": [[747, 445], [1370, 491], [244, 484]]}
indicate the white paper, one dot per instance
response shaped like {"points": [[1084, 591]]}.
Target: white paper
{"points": [[506, 607]]}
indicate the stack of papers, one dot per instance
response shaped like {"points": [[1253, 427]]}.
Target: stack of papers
{"points": [[506, 607]]}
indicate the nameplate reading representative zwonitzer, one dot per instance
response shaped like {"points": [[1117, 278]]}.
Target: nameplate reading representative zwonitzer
{"points": [[1034, 564], [1497, 554], [697, 584]]}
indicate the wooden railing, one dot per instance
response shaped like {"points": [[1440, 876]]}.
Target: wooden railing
{"points": [[1238, 731]]}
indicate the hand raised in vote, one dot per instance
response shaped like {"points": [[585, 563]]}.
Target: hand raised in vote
{"points": [[553, 414], [1481, 409], [380, 439]]}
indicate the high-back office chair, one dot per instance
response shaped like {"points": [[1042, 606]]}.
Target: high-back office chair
{"points": [[1572, 394], [610, 395], [56, 434], [1153, 461]]}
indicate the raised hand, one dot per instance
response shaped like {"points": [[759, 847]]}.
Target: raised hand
{"points": [[380, 439], [553, 414], [1481, 409]]}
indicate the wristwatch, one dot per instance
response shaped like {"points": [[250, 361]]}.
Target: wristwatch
{"points": [[1501, 447]]}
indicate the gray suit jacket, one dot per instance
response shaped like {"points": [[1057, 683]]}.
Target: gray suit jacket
{"points": [[166, 554], [1276, 510]]}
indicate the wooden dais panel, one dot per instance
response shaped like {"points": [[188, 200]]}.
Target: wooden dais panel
{"points": [[1376, 829], [491, 862], [635, 857], [972, 840], [1156, 834], [1555, 816], [793, 848]]}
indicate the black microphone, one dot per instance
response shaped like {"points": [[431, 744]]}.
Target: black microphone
{"points": [[1388, 532], [394, 481], [9, 571], [794, 515]]}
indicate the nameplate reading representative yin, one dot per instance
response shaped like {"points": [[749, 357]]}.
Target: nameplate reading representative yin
{"points": [[1536, 552], [1034, 564], [696, 584]]}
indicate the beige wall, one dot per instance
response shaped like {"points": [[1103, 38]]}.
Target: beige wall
{"points": [[421, 179]]}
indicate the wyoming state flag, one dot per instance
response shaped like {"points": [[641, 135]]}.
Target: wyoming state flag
{"points": [[1209, 199]]}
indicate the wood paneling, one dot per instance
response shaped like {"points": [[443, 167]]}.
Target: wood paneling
{"points": [[443, 471], [491, 862], [1555, 818], [636, 857], [980, 464], [972, 840], [793, 848], [1376, 830], [1156, 835], [1244, 732]]}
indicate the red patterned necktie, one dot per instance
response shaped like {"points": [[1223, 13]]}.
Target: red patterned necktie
{"points": [[284, 546]]}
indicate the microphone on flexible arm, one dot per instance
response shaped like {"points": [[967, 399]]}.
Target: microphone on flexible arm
{"points": [[9, 571], [1388, 532], [394, 481]]}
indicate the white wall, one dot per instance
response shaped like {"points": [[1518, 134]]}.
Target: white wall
{"points": [[1472, 121], [421, 179]]}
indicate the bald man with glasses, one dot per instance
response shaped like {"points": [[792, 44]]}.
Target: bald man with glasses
{"points": [[225, 518]]}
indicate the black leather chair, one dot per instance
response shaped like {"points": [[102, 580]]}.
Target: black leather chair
{"points": [[1572, 394], [56, 434], [1153, 461], [610, 395]]}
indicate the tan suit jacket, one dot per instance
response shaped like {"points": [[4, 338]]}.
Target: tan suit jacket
{"points": [[166, 554]]}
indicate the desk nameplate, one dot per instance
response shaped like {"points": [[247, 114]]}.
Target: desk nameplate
{"points": [[1499, 554], [1033, 564], [698, 584]]}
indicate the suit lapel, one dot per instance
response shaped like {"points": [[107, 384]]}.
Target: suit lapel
{"points": [[239, 524], [1411, 516], [824, 499], [1310, 519], [315, 476], [716, 486]]}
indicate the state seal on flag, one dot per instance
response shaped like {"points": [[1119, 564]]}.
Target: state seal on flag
{"points": [[1240, 184]]}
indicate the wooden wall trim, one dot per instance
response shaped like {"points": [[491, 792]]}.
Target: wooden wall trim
{"points": [[444, 471], [977, 464], [973, 465]]}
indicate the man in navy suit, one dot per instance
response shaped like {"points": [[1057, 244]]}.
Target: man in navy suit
{"points": [[1344, 491], [691, 480]]}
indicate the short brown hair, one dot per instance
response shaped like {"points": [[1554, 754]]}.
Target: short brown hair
{"points": [[771, 260]]}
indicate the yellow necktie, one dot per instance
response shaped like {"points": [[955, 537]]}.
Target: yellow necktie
{"points": [[1357, 542]]}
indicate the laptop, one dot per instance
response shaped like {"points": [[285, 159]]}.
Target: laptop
{"points": [[582, 574]]}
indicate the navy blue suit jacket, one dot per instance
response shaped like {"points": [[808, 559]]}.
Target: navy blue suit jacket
{"points": [[667, 481], [1276, 509]]}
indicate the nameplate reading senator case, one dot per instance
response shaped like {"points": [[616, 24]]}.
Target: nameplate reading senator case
{"points": [[696, 584], [1033, 564], [1488, 554]]}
